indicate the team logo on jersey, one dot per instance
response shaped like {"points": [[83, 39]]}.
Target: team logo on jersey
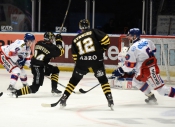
{"points": [[94, 57], [17, 49], [99, 73], [133, 48], [142, 44], [127, 56]]}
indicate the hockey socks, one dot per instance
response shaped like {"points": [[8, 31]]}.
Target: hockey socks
{"points": [[23, 91], [172, 93]]}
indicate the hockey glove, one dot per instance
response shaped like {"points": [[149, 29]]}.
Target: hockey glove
{"points": [[22, 55], [131, 72], [58, 39], [118, 72], [61, 49], [21, 62]]}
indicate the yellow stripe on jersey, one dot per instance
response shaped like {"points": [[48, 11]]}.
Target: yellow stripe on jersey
{"points": [[104, 38]]}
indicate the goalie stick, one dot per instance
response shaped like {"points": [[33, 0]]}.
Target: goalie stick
{"points": [[83, 91], [1, 94]]}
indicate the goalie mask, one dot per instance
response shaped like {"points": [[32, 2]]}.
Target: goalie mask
{"points": [[49, 36], [84, 24]]}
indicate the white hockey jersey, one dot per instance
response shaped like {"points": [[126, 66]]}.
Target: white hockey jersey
{"points": [[137, 54], [13, 50]]}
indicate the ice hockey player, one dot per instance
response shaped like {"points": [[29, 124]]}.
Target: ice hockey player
{"points": [[44, 51], [125, 81], [140, 57], [87, 51], [14, 57]]}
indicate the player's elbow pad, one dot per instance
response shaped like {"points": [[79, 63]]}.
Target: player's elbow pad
{"points": [[62, 51]]}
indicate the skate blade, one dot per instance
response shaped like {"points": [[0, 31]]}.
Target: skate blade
{"points": [[112, 107], [62, 107], [56, 95], [12, 95], [152, 103]]}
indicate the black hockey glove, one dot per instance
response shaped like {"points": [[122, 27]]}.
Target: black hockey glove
{"points": [[58, 39], [21, 61], [118, 72]]}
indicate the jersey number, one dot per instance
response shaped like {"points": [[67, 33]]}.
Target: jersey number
{"points": [[39, 57], [85, 46]]}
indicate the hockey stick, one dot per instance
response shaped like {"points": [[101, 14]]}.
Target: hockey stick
{"points": [[1, 94], [50, 105], [63, 86], [65, 16], [83, 91]]}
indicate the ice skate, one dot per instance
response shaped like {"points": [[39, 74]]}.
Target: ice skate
{"points": [[1, 93], [110, 102], [11, 88], [14, 94], [63, 101], [56, 92], [151, 100]]}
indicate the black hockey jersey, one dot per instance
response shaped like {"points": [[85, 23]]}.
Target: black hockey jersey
{"points": [[90, 45], [44, 52]]}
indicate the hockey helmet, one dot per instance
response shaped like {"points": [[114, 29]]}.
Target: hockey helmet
{"points": [[49, 36], [84, 24], [29, 37], [134, 31]]}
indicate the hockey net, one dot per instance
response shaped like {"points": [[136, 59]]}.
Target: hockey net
{"points": [[165, 54]]}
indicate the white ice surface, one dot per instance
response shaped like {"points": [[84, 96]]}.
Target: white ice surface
{"points": [[82, 110]]}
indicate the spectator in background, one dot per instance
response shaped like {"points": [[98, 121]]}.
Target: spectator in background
{"points": [[110, 27]]}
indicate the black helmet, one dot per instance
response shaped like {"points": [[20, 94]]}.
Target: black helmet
{"points": [[84, 24], [49, 36]]}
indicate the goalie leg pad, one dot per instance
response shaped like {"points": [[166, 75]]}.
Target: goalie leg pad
{"points": [[124, 83]]}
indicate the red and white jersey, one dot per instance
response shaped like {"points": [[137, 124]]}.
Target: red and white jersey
{"points": [[140, 51], [13, 50]]}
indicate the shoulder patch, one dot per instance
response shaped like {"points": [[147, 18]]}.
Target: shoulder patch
{"points": [[127, 56]]}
